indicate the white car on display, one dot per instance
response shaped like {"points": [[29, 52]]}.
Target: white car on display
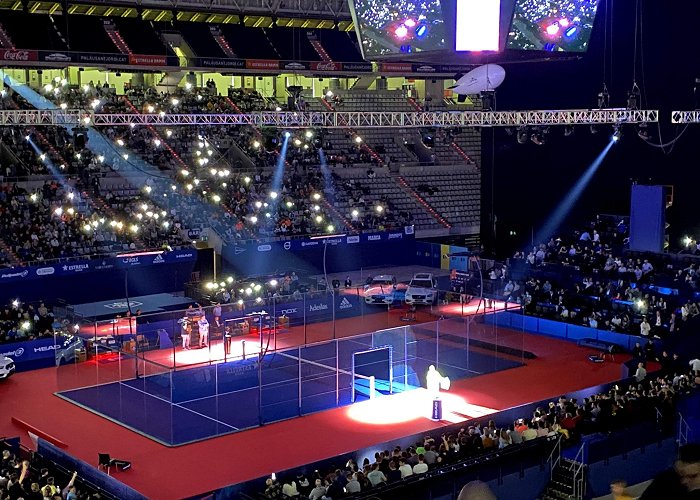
{"points": [[422, 290], [7, 367], [383, 289]]}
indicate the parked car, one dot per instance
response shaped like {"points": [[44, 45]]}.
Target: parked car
{"points": [[383, 289], [66, 351], [422, 290], [7, 367]]}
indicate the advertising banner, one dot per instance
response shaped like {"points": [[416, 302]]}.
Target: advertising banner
{"points": [[363, 67], [326, 66], [55, 56], [262, 64], [146, 60], [31, 351], [215, 62], [396, 67], [295, 65], [16, 55], [86, 266], [94, 58]]}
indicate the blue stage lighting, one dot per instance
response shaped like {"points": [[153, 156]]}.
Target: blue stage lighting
{"points": [[287, 134], [421, 31], [571, 32]]}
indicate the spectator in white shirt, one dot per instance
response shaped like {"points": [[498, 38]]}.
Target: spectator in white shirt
{"points": [[421, 467]]}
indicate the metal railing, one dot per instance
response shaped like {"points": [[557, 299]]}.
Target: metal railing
{"points": [[578, 468], [554, 458], [683, 430]]}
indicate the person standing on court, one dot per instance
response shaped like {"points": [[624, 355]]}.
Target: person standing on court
{"points": [[203, 325], [185, 332]]}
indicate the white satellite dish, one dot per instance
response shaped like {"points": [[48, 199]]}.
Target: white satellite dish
{"points": [[481, 79]]}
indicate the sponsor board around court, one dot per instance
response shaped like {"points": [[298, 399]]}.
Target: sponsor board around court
{"points": [[74, 267]]}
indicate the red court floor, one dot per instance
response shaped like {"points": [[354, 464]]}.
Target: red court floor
{"points": [[160, 472]]}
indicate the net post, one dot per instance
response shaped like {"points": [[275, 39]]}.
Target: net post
{"points": [[243, 349], [371, 386]]}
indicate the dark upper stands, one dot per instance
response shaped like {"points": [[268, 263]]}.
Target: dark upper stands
{"points": [[42, 35], [87, 34], [142, 37], [200, 39], [249, 43], [340, 45]]}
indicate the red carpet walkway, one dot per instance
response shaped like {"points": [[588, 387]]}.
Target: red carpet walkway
{"points": [[168, 473]]}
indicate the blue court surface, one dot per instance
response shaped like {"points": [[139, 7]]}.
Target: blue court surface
{"points": [[108, 309], [193, 404]]}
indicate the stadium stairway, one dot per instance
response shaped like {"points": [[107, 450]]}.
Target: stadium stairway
{"points": [[235, 107], [414, 104], [11, 255], [560, 486], [320, 51], [406, 187], [116, 37], [220, 40], [339, 216], [95, 202], [364, 146], [5, 40], [461, 152], [170, 149]]}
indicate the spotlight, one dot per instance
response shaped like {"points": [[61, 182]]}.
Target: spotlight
{"points": [[568, 131], [522, 135], [642, 132], [594, 129], [617, 134], [537, 138], [287, 134], [633, 97]]}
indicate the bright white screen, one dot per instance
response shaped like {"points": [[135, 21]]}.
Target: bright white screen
{"points": [[477, 25]]}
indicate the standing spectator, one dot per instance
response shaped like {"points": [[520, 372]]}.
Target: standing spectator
{"points": [[682, 482], [641, 373], [618, 490]]}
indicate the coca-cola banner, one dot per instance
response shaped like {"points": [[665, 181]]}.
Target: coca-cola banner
{"points": [[18, 55], [326, 66], [262, 64]]}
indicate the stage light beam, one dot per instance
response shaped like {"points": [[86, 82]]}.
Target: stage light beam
{"points": [[567, 203]]}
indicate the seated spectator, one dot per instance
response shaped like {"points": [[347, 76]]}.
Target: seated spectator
{"points": [[421, 467]]}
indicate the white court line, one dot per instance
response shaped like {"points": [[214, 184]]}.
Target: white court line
{"points": [[180, 406]]}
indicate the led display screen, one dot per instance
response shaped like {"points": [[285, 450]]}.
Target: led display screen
{"points": [[552, 25], [478, 25], [399, 26]]}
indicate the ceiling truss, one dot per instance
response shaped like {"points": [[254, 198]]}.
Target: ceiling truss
{"points": [[337, 119]]}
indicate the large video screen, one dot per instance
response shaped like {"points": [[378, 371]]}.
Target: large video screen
{"points": [[399, 26], [552, 25], [478, 25]]}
